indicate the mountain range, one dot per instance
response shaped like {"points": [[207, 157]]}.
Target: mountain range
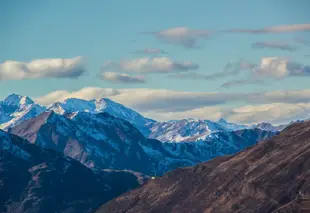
{"points": [[114, 147], [40, 180], [272, 176], [72, 105], [16, 108], [189, 130], [102, 134], [102, 141]]}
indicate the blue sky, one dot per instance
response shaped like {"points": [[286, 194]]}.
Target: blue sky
{"points": [[101, 31]]}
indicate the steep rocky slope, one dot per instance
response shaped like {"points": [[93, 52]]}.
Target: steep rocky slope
{"points": [[33, 180], [270, 177]]}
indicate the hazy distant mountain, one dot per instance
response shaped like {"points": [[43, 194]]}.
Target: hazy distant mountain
{"points": [[189, 130], [269, 127], [34, 180], [231, 126], [272, 176]]}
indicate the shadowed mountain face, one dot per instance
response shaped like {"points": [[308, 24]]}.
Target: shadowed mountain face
{"points": [[103, 141], [270, 177], [33, 180]]}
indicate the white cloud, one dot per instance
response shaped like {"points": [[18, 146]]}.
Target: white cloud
{"points": [[274, 106], [271, 68], [242, 82], [291, 97], [149, 65], [151, 51], [210, 113], [184, 36], [277, 113], [281, 67], [274, 45], [276, 29], [143, 99], [231, 69], [121, 78], [42, 68]]}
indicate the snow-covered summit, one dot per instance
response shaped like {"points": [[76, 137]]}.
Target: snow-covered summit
{"points": [[184, 130], [269, 127], [16, 108], [72, 105], [15, 100], [190, 130]]}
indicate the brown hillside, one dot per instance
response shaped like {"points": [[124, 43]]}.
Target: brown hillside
{"points": [[270, 177]]}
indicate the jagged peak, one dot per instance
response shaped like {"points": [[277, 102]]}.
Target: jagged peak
{"points": [[264, 124], [222, 120], [15, 99], [69, 101], [102, 99], [106, 102]]}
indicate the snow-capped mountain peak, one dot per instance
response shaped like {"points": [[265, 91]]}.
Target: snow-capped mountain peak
{"points": [[100, 104], [16, 108], [72, 105], [190, 130], [17, 100], [184, 130], [269, 127]]}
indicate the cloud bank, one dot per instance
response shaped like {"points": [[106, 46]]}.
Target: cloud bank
{"points": [[271, 68], [275, 29], [274, 45], [151, 51], [149, 65], [121, 78], [231, 69], [275, 106]]}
